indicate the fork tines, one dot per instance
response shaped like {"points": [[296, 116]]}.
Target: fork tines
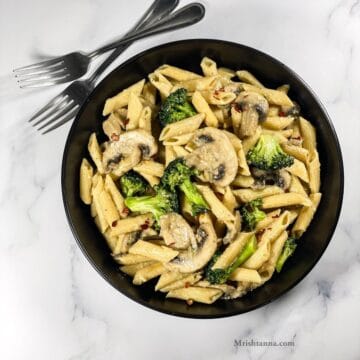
{"points": [[49, 72], [57, 112]]}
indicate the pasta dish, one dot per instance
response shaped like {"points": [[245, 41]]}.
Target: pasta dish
{"points": [[205, 183]]}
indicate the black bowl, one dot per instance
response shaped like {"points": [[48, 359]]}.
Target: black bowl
{"points": [[187, 54]]}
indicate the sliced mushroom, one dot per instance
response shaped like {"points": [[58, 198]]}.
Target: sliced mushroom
{"points": [[189, 261], [254, 108], [233, 227], [176, 232], [213, 156], [127, 151], [281, 178]]}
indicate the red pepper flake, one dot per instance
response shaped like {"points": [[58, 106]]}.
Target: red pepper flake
{"points": [[114, 223], [216, 92], [236, 107], [114, 137], [275, 216], [126, 121], [125, 211], [144, 226], [189, 302], [187, 284], [281, 113], [147, 221]]}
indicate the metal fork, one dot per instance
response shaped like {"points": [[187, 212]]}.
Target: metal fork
{"points": [[64, 106], [74, 65]]}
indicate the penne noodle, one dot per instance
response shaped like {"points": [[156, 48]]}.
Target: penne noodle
{"points": [[297, 152], [161, 83], [168, 278], [186, 126], [147, 273], [314, 173], [108, 208], [95, 153], [298, 169], [131, 224], [86, 174], [243, 181], [232, 251], [155, 252], [180, 151], [116, 196], [246, 195], [286, 199], [185, 281], [178, 140], [195, 293], [149, 93], [217, 207], [150, 167], [202, 106], [249, 78], [248, 275], [176, 73], [122, 98], [208, 67], [145, 119], [130, 259], [277, 122], [134, 268], [135, 108], [306, 215], [170, 154]]}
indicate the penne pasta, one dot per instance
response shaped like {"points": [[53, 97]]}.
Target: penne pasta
{"points": [[217, 207], [202, 106], [155, 252], [86, 174], [286, 199], [122, 98], [195, 293], [182, 127]]}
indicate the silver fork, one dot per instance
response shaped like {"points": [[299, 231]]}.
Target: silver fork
{"points": [[74, 65], [64, 106]]}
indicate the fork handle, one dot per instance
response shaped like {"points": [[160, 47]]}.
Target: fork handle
{"points": [[187, 15], [158, 10]]}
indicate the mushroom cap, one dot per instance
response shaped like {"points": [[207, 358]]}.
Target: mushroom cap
{"points": [[214, 156], [253, 100], [189, 261], [123, 154], [175, 231]]}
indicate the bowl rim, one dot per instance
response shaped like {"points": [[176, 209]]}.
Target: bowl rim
{"points": [[259, 53]]}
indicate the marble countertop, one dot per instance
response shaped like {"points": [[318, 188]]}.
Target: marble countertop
{"points": [[54, 305]]}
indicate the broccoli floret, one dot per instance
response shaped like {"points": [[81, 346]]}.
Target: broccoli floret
{"points": [[176, 107], [251, 214], [288, 249], [178, 175], [268, 155], [132, 184], [163, 202], [220, 276]]}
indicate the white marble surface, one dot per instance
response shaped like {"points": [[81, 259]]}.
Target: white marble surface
{"points": [[53, 304]]}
